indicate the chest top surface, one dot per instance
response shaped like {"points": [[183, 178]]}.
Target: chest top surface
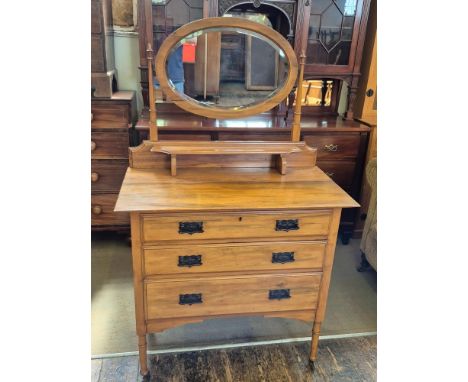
{"points": [[233, 189]]}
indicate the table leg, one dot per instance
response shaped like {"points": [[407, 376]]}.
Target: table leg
{"points": [[143, 356]]}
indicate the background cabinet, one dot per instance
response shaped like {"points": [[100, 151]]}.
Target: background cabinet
{"points": [[110, 140]]}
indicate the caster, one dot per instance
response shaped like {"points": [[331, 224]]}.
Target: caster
{"points": [[145, 377], [312, 365]]}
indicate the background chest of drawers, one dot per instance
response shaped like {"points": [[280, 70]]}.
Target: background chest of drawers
{"points": [[110, 127]]}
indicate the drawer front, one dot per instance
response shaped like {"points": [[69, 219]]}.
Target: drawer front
{"points": [[341, 173], [190, 227], [231, 295], [102, 211], [110, 115], [333, 146], [233, 257], [110, 144], [107, 174]]}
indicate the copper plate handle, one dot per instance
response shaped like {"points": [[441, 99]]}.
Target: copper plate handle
{"points": [[331, 147], [93, 145], [94, 177], [97, 210]]}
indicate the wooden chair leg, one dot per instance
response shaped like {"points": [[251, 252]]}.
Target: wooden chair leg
{"points": [[142, 351]]}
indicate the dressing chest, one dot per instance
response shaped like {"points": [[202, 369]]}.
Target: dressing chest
{"points": [[229, 228]]}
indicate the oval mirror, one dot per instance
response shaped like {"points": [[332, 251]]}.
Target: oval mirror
{"points": [[226, 67]]}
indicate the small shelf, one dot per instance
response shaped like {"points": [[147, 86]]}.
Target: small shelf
{"points": [[281, 149]]}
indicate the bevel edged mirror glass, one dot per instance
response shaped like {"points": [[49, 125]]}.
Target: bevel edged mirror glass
{"points": [[226, 67]]}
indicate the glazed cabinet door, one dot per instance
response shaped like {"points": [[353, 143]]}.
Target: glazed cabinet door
{"points": [[333, 37]]}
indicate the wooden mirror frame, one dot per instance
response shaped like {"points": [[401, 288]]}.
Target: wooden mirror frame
{"points": [[193, 106]]}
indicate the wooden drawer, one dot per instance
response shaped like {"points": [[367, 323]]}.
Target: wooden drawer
{"points": [[110, 115], [110, 144], [334, 146], [241, 226], [342, 172], [102, 211], [231, 295], [107, 174], [233, 257]]}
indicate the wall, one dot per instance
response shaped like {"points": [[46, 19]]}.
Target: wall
{"points": [[126, 50]]}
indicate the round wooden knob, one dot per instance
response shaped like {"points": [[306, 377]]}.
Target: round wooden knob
{"points": [[93, 145], [97, 210], [94, 177]]}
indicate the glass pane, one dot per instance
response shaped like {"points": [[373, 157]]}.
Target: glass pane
{"points": [[330, 28], [347, 7], [340, 54], [318, 6], [316, 53], [205, 67], [314, 27], [331, 23]]}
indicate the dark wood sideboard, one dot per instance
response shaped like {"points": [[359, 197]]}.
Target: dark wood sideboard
{"points": [[341, 144]]}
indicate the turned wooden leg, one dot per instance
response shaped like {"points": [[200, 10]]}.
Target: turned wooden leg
{"points": [[143, 357], [314, 343]]}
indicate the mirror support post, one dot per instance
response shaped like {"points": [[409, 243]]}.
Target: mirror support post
{"points": [[153, 130], [296, 126], [152, 102]]}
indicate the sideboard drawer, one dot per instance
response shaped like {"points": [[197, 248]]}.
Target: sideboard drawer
{"points": [[102, 211], [110, 144], [233, 257], [334, 146], [189, 227], [230, 295], [107, 174], [341, 172]]}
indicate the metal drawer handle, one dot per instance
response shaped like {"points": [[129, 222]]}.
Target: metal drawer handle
{"points": [[97, 210], [190, 261], [279, 294], [282, 257], [190, 227], [93, 145], [287, 225], [189, 299], [94, 177], [331, 147], [330, 174]]}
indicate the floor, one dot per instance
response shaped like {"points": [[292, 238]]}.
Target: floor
{"points": [[352, 306], [339, 360]]}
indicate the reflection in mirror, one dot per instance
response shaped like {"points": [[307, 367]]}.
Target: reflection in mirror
{"points": [[226, 67]]}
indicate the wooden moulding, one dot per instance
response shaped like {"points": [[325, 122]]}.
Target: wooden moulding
{"points": [[164, 324], [188, 154]]}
